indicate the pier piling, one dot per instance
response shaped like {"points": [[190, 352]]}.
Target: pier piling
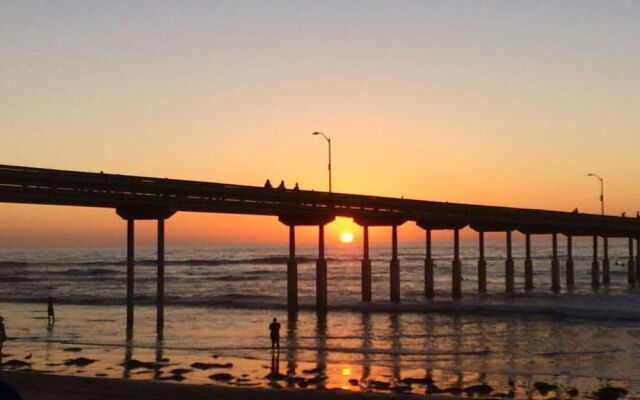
{"points": [[569, 270], [555, 265], [595, 266], [366, 266], [606, 271], [509, 270], [456, 267], [160, 278], [528, 264], [631, 264], [482, 265], [428, 267], [394, 266], [321, 274], [130, 274], [292, 273]]}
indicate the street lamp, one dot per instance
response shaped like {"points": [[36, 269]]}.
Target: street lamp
{"points": [[601, 191], [329, 142]]}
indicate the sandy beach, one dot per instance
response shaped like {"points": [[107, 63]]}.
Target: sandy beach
{"points": [[37, 386]]}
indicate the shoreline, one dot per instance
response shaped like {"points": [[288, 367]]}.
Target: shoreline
{"points": [[40, 386]]}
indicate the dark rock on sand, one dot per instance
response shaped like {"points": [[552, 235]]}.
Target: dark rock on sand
{"points": [[174, 377], [275, 376], [180, 371], [610, 393], [204, 366], [101, 375], [221, 377], [379, 385], [401, 388], [17, 364], [80, 362], [72, 349], [316, 380], [417, 381], [544, 387], [479, 389], [431, 388], [311, 371], [295, 379], [573, 392], [354, 382], [452, 390], [133, 364]]}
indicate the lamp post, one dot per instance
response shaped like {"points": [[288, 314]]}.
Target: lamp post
{"points": [[601, 191], [328, 139]]}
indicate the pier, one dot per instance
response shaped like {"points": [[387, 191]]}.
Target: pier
{"points": [[145, 198]]}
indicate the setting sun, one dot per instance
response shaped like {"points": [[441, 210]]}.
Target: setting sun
{"points": [[346, 237]]}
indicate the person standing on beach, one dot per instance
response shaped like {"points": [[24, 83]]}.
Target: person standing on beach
{"points": [[3, 333], [274, 328], [51, 317]]}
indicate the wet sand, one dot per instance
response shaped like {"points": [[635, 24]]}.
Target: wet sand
{"points": [[37, 386]]}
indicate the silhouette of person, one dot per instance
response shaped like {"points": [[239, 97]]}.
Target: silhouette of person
{"points": [[51, 317], [274, 328], [267, 185], [624, 214], [296, 187], [575, 210], [281, 185], [3, 333]]}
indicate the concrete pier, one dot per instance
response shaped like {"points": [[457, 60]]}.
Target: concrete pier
{"points": [[130, 274], [160, 278], [528, 264], [555, 265], [456, 267], [595, 265], [366, 266], [428, 267], [292, 272], [394, 271], [631, 266], [509, 269], [482, 265], [569, 266], [321, 274], [606, 270]]}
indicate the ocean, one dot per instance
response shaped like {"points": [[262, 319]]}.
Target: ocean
{"points": [[220, 300]]}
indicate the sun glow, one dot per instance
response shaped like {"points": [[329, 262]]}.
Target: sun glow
{"points": [[346, 237]]}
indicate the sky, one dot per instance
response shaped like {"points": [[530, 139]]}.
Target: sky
{"points": [[486, 102]]}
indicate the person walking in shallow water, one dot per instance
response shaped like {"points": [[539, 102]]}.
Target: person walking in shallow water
{"points": [[51, 317], [274, 328], [3, 333]]}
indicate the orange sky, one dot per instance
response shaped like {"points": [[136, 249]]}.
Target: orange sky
{"points": [[492, 103]]}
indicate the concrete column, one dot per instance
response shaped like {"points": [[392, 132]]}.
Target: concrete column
{"points": [[160, 278], [528, 264], [394, 266], [321, 274], [631, 266], [482, 265], [456, 270], [555, 265], [595, 265], [292, 272], [606, 271], [130, 274], [509, 270], [428, 268], [569, 271], [638, 255], [366, 267]]}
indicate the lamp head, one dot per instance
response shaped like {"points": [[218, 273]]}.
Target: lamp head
{"points": [[316, 133]]}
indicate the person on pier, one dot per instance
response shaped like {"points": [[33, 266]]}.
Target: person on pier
{"points": [[267, 184], [274, 328], [281, 185]]}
